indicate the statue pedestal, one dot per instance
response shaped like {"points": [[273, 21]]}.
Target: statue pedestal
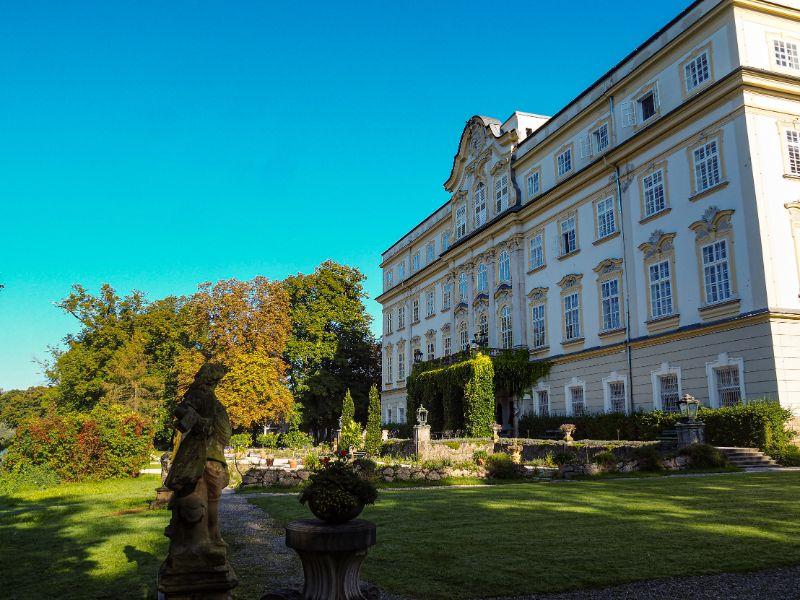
{"points": [[331, 557], [211, 583], [422, 440], [691, 433]]}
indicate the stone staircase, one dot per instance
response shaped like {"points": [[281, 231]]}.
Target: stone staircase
{"points": [[747, 458]]}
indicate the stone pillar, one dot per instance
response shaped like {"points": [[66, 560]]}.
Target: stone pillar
{"points": [[422, 440], [332, 556], [690, 433]]}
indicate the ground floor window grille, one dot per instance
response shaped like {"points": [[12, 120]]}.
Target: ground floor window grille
{"points": [[576, 400], [669, 392], [728, 390], [543, 400], [616, 392]]}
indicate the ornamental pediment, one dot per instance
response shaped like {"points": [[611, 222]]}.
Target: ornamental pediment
{"points": [[477, 137], [658, 243], [537, 294], [714, 221], [570, 281], [609, 265]]}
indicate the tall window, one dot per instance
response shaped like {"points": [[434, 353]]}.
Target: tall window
{"points": [[401, 365], [445, 241], [431, 349], [389, 376], [793, 151], [415, 262], [609, 293], [668, 392], [448, 345], [463, 338], [401, 271], [600, 139], [483, 278], [415, 310], [538, 323], [389, 278], [504, 266], [715, 272], [696, 71], [564, 162], [660, 289], [505, 327], [501, 193], [576, 400], [543, 402], [536, 252], [401, 317], [706, 166], [606, 224], [461, 221], [786, 54], [480, 205], [533, 183], [430, 252], [462, 287], [572, 317], [447, 295], [389, 327], [569, 242], [728, 390], [430, 304], [654, 197], [616, 396], [483, 327]]}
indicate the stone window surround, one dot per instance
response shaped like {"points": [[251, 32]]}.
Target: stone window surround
{"points": [[658, 249], [541, 387], [573, 383], [571, 284], [695, 143], [615, 377], [716, 225], [606, 270], [773, 36], [652, 168], [690, 57], [655, 381], [538, 297], [723, 360]]}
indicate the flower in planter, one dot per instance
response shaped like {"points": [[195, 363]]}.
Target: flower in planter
{"points": [[335, 493], [568, 429]]}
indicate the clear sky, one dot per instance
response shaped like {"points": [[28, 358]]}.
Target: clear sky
{"points": [[155, 145]]}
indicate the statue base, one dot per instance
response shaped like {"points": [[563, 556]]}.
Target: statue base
{"points": [[332, 556], [210, 583], [163, 496], [690, 433]]}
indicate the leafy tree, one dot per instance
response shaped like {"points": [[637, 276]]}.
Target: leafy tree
{"points": [[374, 438], [348, 410], [331, 348], [19, 405]]}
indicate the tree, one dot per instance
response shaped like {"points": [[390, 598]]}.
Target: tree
{"points": [[348, 409], [374, 438], [331, 348], [17, 406]]}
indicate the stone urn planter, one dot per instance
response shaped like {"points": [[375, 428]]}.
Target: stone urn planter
{"points": [[568, 429]]}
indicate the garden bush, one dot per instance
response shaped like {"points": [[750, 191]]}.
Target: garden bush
{"points": [[294, 439], [399, 430], [649, 458], [350, 437], [704, 456], [36, 477], [563, 458], [373, 440], [605, 458], [6, 434], [480, 456], [241, 441], [109, 441], [267, 440], [500, 466]]}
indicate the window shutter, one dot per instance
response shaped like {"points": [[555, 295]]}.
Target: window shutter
{"points": [[626, 109]]}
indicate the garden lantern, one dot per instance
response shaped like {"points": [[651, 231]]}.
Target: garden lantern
{"points": [[422, 415], [689, 405]]}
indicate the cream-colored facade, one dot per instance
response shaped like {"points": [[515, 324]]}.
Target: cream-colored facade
{"points": [[645, 239]]}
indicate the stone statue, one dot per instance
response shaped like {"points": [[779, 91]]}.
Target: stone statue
{"points": [[197, 562]]}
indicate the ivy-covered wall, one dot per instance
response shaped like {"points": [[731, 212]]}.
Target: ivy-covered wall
{"points": [[461, 396]]}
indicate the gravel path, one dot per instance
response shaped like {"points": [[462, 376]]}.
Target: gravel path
{"points": [[263, 562]]}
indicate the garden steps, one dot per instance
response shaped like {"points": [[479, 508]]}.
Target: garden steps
{"points": [[747, 458]]}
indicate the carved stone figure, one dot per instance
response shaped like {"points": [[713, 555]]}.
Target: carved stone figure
{"points": [[197, 563]]}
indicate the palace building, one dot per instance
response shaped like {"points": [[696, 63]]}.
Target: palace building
{"points": [[645, 239]]}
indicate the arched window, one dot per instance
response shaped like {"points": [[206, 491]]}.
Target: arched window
{"points": [[463, 337], [480, 205], [505, 327], [483, 278], [462, 287], [483, 328], [504, 267]]}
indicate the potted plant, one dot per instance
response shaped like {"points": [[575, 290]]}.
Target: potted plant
{"points": [[268, 441], [294, 440], [335, 493]]}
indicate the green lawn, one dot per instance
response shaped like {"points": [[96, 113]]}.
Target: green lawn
{"points": [[517, 539], [89, 540]]}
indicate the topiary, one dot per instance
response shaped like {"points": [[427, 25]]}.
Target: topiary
{"points": [[374, 438]]}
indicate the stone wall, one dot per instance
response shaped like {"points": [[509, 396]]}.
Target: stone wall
{"points": [[455, 450], [275, 476], [583, 451]]}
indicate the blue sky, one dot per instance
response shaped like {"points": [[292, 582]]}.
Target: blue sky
{"points": [[155, 145]]}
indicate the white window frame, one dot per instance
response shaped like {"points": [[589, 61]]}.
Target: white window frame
{"points": [[651, 184], [480, 204], [607, 220], [483, 325], [501, 193], [445, 241], [536, 251], [597, 136], [447, 344], [640, 105], [610, 304], [723, 360], [415, 262], [612, 378], [564, 162], [792, 145], [461, 221], [504, 267], [483, 278], [430, 349], [574, 383], [430, 252], [665, 370], [462, 287], [389, 322], [415, 310], [463, 337], [506, 328], [389, 278], [786, 54], [719, 267], [401, 271], [389, 361], [401, 317], [694, 70], [430, 303], [401, 366], [707, 165], [447, 296], [533, 183], [537, 401], [568, 234], [539, 324], [658, 284], [572, 310]]}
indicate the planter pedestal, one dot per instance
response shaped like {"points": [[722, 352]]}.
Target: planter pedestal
{"points": [[331, 557], [690, 433]]}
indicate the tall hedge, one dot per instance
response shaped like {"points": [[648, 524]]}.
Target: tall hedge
{"points": [[373, 439], [479, 398], [110, 441]]}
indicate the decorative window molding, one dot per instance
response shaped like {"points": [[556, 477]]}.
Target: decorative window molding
{"points": [[567, 225], [538, 315], [790, 148], [506, 333], [401, 363], [606, 217], [706, 165], [571, 309], [501, 193], [575, 397], [415, 310], [479, 203], [463, 337], [430, 252], [610, 294], [536, 251], [389, 322], [447, 295], [647, 105], [483, 325], [461, 221], [401, 317], [715, 262], [667, 387], [697, 70], [659, 273], [430, 303], [725, 381], [541, 399], [615, 393], [504, 267], [653, 192], [483, 278], [444, 241]]}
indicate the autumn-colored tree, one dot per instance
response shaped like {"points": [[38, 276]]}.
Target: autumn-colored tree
{"points": [[374, 437]]}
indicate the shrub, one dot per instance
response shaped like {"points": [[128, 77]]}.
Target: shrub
{"points": [[372, 442], [399, 430], [452, 445], [312, 462], [704, 456], [544, 461], [31, 477], [789, 456], [350, 437], [480, 456], [241, 441], [436, 464], [500, 466], [563, 458], [366, 467], [110, 441], [267, 440], [6, 434], [294, 439], [649, 458], [605, 458]]}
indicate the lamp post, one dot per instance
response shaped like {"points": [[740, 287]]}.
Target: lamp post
{"points": [[422, 415], [689, 406], [690, 431]]}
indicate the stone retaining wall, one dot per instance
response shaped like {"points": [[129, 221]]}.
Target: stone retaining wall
{"points": [[271, 476], [583, 451]]}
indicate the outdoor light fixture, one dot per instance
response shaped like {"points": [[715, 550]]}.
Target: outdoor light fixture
{"points": [[689, 405], [417, 355], [422, 415]]}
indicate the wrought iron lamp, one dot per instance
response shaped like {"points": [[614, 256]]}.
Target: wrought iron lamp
{"points": [[422, 415], [689, 406]]}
